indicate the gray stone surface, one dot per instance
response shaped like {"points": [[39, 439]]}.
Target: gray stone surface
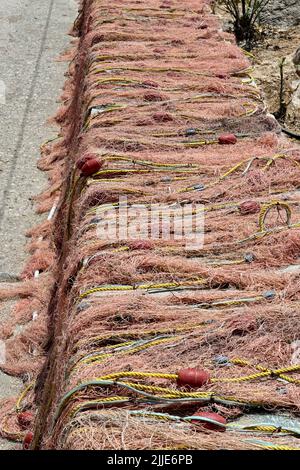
{"points": [[282, 13], [32, 34]]}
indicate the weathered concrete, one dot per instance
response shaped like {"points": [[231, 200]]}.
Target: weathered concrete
{"points": [[32, 34], [282, 13]]}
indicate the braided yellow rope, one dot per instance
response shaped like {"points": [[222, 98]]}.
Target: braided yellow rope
{"points": [[139, 335], [165, 285], [279, 447], [139, 375], [101, 357], [266, 208], [23, 395], [266, 373]]}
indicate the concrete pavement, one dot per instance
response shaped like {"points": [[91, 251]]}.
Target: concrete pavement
{"points": [[32, 34]]}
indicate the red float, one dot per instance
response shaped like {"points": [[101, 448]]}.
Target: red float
{"points": [[90, 167], [85, 158], [25, 419], [227, 139], [192, 377], [206, 424], [27, 440]]}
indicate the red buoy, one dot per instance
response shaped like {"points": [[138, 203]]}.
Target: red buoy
{"points": [[25, 419], [249, 207], [227, 139], [192, 377], [90, 167], [85, 158], [208, 425], [27, 440]]}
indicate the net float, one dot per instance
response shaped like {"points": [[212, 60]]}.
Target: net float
{"points": [[227, 139], [25, 419], [192, 377], [212, 426], [269, 294], [249, 257], [27, 440], [249, 207], [90, 167], [85, 158], [190, 131]]}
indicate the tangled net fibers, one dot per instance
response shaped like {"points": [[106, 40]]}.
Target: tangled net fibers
{"points": [[149, 343]]}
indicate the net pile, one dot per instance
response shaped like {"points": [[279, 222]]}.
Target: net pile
{"points": [[160, 108]]}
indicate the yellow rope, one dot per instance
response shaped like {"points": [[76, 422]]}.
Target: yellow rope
{"points": [[266, 233], [165, 285], [275, 447], [139, 334], [159, 375], [138, 171], [99, 358], [23, 395], [112, 158], [108, 400], [266, 208], [139, 375], [266, 372]]}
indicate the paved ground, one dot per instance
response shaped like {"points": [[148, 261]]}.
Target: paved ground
{"points": [[32, 34]]}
